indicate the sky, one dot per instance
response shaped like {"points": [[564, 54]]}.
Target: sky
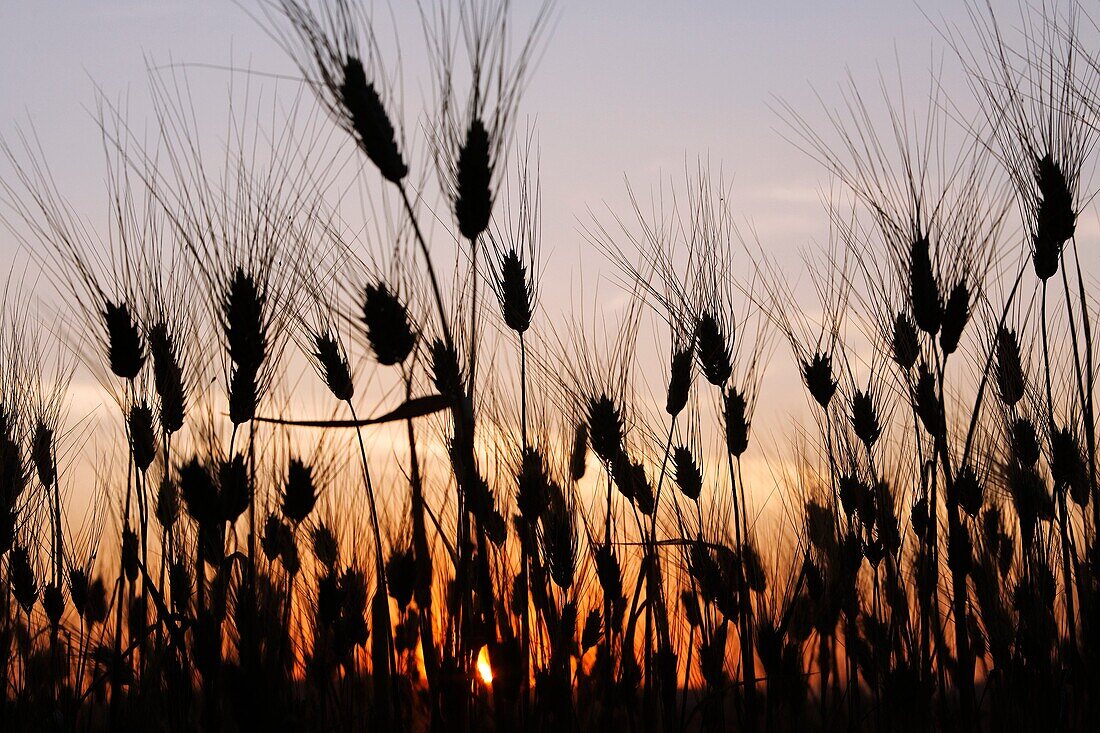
{"points": [[625, 90]]}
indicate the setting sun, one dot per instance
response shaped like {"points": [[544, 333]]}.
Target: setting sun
{"points": [[484, 669]]}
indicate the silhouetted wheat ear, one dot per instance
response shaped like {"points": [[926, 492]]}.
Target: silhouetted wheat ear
{"points": [[234, 488], [605, 428], [853, 493], [1067, 465], [168, 503], [865, 421], [243, 325], [888, 528], [143, 436], [533, 492], [622, 474], [1030, 499], [494, 526], [921, 520], [473, 181], [1055, 219], [299, 492], [578, 453], [406, 635], [643, 489], [96, 611], [78, 590], [926, 401], [401, 576], [715, 349], [389, 330], [593, 629], [200, 493], [271, 540], [516, 300], [559, 539], [607, 570], [874, 551], [924, 291], [334, 366], [905, 345], [7, 529], [167, 378], [53, 603], [956, 313], [446, 373], [288, 556], [688, 475], [568, 625], [372, 125], [179, 585], [244, 395], [753, 568], [130, 553], [519, 596], [24, 586], [815, 583], [13, 479], [712, 657], [715, 585], [1010, 372], [42, 454], [325, 547], [998, 541], [819, 525], [868, 510], [692, 613], [969, 491], [125, 348], [737, 422], [247, 341], [211, 537], [137, 617], [630, 478], [679, 380], [817, 373], [1025, 442], [329, 599]]}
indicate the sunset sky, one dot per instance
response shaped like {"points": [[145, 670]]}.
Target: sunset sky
{"points": [[625, 90]]}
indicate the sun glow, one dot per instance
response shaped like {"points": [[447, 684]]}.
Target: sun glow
{"points": [[484, 670]]}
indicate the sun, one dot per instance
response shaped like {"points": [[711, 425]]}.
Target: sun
{"points": [[484, 669]]}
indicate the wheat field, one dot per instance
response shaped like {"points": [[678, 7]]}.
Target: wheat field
{"points": [[351, 477]]}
